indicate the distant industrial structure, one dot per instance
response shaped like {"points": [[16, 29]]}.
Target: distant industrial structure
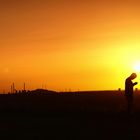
{"points": [[25, 91], [14, 90]]}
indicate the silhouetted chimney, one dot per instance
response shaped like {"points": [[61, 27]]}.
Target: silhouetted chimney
{"points": [[13, 88]]}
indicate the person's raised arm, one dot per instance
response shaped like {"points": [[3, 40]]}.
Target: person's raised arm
{"points": [[135, 83]]}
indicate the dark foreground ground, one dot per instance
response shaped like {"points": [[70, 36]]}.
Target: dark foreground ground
{"points": [[85, 115]]}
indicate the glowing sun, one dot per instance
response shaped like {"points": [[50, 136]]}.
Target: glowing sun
{"points": [[137, 67]]}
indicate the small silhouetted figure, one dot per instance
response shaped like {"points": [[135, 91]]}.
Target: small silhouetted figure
{"points": [[129, 91]]}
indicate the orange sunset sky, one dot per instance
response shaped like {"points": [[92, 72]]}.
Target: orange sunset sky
{"points": [[68, 44]]}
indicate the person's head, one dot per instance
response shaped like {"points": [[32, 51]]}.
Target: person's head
{"points": [[133, 76]]}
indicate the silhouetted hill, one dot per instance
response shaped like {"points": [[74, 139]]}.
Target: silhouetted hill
{"points": [[41, 91]]}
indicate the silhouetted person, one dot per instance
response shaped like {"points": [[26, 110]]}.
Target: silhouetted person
{"points": [[129, 91]]}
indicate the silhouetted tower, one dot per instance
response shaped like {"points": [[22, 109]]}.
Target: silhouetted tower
{"points": [[13, 87]]}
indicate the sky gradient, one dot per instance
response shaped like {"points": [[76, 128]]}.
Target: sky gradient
{"points": [[68, 44]]}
